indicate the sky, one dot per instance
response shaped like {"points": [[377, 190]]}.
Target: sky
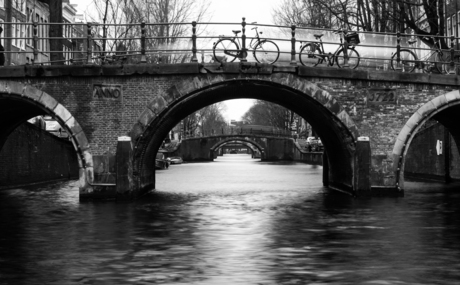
{"points": [[233, 11]]}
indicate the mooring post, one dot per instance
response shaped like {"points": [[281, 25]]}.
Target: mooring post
{"points": [[124, 168], [362, 165], [325, 169]]}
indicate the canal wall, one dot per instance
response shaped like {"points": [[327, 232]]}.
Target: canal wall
{"points": [[31, 155], [432, 155], [302, 154]]}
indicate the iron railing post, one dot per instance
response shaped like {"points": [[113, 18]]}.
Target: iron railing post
{"points": [[398, 51], [194, 58], [244, 52], [452, 69], [293, 61], [143, 56], [88, 44], [345, 51], [35, 41]]}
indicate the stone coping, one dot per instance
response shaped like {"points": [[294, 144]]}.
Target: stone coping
{"points": [[226, 68]]}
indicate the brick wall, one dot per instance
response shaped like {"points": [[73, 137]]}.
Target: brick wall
{"points": [[33, 155], [104, 119]]}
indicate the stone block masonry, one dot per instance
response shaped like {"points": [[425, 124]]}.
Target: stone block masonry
{"points": [[32, 155], [143, 101]]}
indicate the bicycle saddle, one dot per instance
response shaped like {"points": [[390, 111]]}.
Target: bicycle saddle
{"points": [[318, 36], [236, 32], [412, 41]]}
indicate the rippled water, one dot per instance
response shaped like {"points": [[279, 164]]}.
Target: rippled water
{"points": [[233, 221]]}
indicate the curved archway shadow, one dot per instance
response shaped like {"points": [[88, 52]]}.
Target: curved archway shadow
{"points": [[445, 109], [238, 139], [316, 106], [20, 102]]}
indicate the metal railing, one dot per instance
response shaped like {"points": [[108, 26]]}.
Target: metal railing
{"points": [[141, 43]]}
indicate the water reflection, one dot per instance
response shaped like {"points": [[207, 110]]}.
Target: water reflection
{"points": [[235, 221]]}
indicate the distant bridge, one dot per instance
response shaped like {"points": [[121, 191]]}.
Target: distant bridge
{"points": [[270, 147]]}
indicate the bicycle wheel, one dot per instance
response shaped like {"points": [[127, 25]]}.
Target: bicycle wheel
{"points": [[225, 50], [408, 60], [437, 66], [353, 58], [266, 52], [310, 55], [446, 59]]}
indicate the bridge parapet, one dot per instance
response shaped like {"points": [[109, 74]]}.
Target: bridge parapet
{"points": [[375, 50]]}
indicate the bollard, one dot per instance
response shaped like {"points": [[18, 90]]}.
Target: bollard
{"points": [[362, 164], [124, 158]]}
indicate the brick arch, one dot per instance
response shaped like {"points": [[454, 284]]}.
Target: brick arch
{"points": [[438, 109], [166, 110], [34, 102], [238, 138]]}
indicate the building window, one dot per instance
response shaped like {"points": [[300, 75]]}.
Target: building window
{"points": [[2, 35], [454, 25], [449, 27], [2, 4], [37, 19], [19, 5]]}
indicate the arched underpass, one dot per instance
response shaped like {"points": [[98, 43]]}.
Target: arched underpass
{"points": [[315, 106], [247, 142], [20, 102], [445, 110]]}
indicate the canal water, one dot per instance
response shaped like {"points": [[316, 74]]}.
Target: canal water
{"points": [[233, 221]]}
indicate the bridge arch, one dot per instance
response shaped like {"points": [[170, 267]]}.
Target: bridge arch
{"points": [[337, 130], [445, 109], [20, 102], [239, 139]]}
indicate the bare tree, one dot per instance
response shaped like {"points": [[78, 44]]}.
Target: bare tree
{"points": [[166, 22], [265, 113], [423, 17], [211, 118]]}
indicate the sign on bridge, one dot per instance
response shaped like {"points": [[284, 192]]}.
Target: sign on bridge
{"points": [[103, 91], [380, 96]]}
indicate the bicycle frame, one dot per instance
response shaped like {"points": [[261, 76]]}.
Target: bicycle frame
{"points": [[330, 56], [252, 44]]}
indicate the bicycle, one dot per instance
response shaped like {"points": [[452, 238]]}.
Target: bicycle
{"points": [[409, 59], [264, 51], [312, 53]]}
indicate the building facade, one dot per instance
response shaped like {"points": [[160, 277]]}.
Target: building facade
{"points": [[17, 18]]}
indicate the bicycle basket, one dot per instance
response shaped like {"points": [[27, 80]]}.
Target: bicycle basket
{"points": [[352, 39]]}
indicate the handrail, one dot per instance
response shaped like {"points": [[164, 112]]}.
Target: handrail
{"points": [[142, 45]]}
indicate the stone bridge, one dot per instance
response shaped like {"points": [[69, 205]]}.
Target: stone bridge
{"points": [[270, 147], [141, 103]]}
